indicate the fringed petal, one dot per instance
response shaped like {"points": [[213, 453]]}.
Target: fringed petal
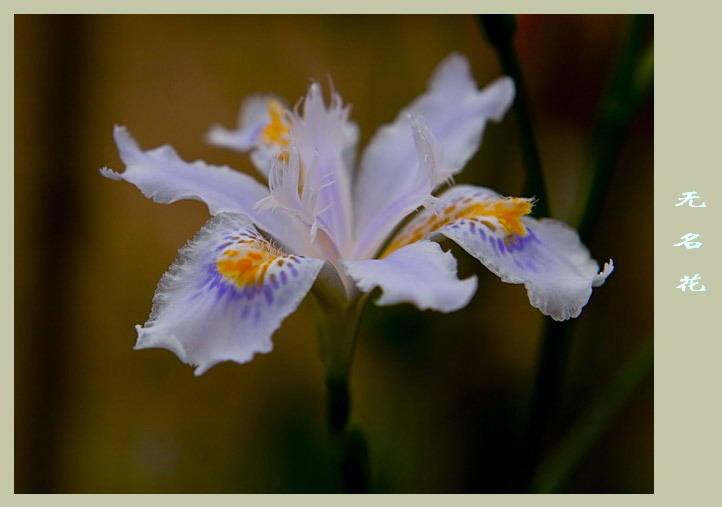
{"points": [[545, 255], [225, 295]]}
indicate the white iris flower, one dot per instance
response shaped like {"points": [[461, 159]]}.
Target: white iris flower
{"points": [[319, 218]]}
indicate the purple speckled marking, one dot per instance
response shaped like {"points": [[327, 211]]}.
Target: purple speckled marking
{"points": [[500, 243], [269, 295], [482, 233], [283, 276], [518, 264], [221, 291], [293, 271], [214, 282], [492, 242], [243, 293], [244, 313], [531, 266]]}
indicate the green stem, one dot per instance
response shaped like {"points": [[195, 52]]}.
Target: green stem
{"points": [[338, 332], [556, 469], [499, 30], [629, 86], [548, 387], [338, 327]]}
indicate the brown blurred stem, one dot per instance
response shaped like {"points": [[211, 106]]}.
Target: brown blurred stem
{"points": [[59, 224], [338, 333], [499, 30], [630, 84]]}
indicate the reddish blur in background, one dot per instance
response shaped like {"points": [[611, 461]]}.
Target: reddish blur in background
{"points": [[442, 398]]}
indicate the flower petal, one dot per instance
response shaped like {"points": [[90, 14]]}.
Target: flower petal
{"points": [[416, 191], [420, 273], [545, 255], [257, 113], [225, 295], [456, 113], [164, 177]]}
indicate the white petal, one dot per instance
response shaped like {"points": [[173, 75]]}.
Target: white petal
{"points": [[420, 273], [545, 255], [164, 177], [456, 113], [252, 120], [416, 191], [225, 295]]}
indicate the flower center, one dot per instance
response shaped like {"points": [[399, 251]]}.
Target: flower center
{"points": [[493, 213]]}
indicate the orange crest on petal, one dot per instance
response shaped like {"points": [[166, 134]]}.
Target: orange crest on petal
{"points": [[246, 262], [505, 213]]}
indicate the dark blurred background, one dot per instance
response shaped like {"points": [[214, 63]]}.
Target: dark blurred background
{"points": [[442, 398]]}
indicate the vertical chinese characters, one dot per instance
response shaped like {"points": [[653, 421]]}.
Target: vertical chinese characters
{"points": [[688, 241]]}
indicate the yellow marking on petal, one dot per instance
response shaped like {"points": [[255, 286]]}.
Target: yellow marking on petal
{"points": [[276, 132], [507, 212], [247, 267]]}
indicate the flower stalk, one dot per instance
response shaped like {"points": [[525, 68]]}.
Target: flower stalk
{"points": [[630, 84], [338, 330], [338, 334], [499, 30]]}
